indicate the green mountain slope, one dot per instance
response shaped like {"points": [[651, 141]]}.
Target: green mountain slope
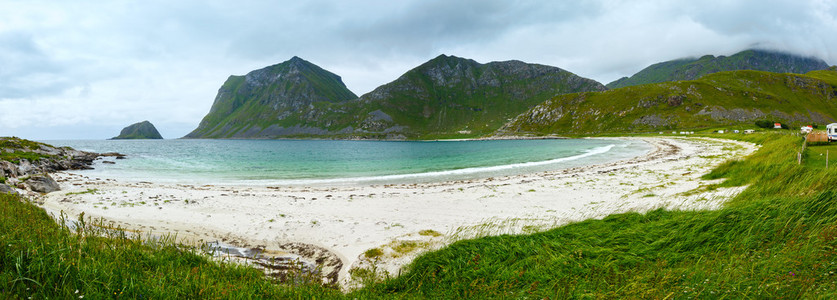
{"points": [[720, 99], [691, 68], [449, 95], [141, 130], [445, 97], [247, 104]]}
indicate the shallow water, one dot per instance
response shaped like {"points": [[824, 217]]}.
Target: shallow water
{"points": [[303, 162]]}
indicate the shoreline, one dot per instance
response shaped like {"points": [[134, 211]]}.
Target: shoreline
{"points": [[340, 223]]}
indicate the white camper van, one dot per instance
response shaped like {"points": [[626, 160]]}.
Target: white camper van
{"points": [[831, 130]]}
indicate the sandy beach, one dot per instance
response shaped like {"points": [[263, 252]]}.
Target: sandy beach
{"points": [[336, 225]]}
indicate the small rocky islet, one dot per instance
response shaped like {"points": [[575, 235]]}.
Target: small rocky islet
{"points": [[139, 131]]}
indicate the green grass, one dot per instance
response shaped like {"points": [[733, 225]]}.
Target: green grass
{"points": [[778, 239], [43, 260], [15, 156], [816, 156]]}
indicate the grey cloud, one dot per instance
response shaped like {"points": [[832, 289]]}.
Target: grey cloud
{"points": [[124, 56], [26, 70]]}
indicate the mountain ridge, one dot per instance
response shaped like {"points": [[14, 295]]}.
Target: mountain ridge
{"points": [[723, 99], [694, 68], [446, 95], [284, 87]]}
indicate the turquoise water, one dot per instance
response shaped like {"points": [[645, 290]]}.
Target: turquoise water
{"points": [[324, 161]]}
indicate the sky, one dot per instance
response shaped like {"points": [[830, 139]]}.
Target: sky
{"points": [[85, 69]]}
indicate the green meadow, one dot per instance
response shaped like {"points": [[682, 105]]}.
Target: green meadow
{"points": [[777, 239]]}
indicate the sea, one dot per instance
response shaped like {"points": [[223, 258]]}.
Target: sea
{"points": [[341, 162]]}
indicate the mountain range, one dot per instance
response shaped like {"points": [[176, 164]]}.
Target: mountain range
{"points": [[446, 96], [450, 97]]}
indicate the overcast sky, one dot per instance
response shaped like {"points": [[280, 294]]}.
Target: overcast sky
{"points": [[86, 69]]}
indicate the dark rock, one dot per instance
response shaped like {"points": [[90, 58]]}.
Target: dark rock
{"points": [[42, 184], [113, 154], [5, 189]]}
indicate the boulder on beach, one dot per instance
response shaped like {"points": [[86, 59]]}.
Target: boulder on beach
{"points": [[42, 184]]}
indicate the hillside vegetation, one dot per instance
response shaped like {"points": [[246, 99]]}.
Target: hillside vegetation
{"points": [[694, 68], [735, 98]]}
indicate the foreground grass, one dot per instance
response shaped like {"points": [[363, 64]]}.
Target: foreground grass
{"points": [[42, 260], [778, 239]]}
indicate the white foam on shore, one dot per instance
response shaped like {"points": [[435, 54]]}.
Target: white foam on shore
{"points": [[436, 174]]}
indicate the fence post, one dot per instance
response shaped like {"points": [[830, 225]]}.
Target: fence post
{"points": [[798, 158], [826, 159]]}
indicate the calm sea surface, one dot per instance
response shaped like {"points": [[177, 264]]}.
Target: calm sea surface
{"points": [[292, 162]]}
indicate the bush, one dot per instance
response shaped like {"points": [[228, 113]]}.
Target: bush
{"points": [[764, 123]]}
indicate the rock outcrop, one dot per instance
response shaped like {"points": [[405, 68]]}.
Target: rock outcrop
{"points": [[5, 189], [141, 130], [25, 164]]}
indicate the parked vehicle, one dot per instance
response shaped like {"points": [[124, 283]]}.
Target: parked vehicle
{"points": [[831, 130]]}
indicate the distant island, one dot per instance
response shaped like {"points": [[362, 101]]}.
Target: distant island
{"points": [[138, 131]]}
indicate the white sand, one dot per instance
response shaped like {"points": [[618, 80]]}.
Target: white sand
{"points": [[349, 220]]}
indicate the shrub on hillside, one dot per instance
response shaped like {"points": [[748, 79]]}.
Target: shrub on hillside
{"points": [[764, 123]]}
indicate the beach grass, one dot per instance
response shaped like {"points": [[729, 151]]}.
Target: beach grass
{"points": [[44, 260], [777, 239]]}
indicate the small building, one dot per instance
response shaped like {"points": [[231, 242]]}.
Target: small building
{"points": [[777, 125], [749, 131], [806, 129], [735, 131]]}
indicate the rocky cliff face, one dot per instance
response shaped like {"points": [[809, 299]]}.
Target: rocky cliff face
{"points": [[141, 130], [247, 105], [690, 69], [446, 96]]}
